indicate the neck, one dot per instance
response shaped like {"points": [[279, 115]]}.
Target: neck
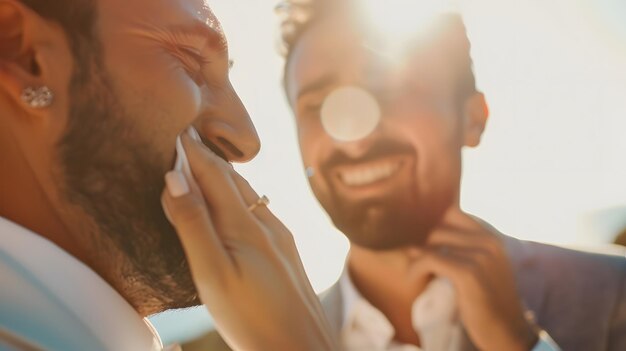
{"points": [[24, 200], [29, 201], [382, 278]]}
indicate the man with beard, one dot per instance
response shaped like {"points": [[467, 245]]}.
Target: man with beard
{"points": [[94, 94], [421, 273]]}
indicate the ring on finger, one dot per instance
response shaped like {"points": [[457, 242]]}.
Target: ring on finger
{"points": [[262, 201]]}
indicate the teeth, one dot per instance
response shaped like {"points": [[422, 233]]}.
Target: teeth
{"points": [[368, 175]]}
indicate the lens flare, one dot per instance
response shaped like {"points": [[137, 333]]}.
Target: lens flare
{"points": [[350, 114], [399, 22]]}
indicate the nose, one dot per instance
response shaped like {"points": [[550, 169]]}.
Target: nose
{"points": [[226, 125]]}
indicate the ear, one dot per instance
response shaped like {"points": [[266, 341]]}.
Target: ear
{"points": [[31, 56], [476, 114]]}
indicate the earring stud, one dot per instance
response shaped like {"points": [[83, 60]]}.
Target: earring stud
{"points": [[310, 172], [41, 97]]}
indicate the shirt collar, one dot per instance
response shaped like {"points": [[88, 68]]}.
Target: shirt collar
{"points": [[364, 326], [349, 295], [68, 285], [433, 313]]}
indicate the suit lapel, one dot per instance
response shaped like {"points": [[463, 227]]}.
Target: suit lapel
{"points": [[332, 302]]}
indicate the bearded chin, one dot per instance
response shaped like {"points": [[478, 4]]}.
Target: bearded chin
{"points": [[114, 176], [391, 222]]}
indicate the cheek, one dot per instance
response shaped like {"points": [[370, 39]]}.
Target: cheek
{"points": [[307, 151], [437, 141], [160, 100], [315, 147], [312, 142], [155, 82], [432, 126]]}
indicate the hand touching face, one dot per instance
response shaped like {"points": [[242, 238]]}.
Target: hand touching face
{"points": [[243, 260]]}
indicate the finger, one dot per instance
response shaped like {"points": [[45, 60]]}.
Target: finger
{"points": [[229, 211], [450, 236], [203, 247], [250, 197], [477, 259], [459, 265], [277, 228], [264, 214], [281, 234]]}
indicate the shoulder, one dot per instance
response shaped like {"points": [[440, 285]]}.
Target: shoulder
{"points": [[579, 296], [606, 266], [574, 274], [27, 308], [563, 274]]}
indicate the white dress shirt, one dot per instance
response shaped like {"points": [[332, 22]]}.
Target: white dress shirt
{"points": [[434, 317], [51, 301]]}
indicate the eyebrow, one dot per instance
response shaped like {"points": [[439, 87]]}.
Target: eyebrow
{"points": [[215, 38], [319, 84]]}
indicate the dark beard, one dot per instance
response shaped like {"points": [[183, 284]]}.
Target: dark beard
{"points": [[116, 177], [402, 218], [397, 221]]}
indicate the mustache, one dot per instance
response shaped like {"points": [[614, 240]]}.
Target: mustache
{"points": [[379, 149]]}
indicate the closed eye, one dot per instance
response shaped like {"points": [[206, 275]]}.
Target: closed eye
{"points": [[194, 62], [310, 109]]}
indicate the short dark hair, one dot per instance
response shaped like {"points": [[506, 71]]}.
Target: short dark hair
{"points": [[76, 17], [297, 16]]}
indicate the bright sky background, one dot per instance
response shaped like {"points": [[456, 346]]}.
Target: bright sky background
{"points": [[552, 165]]}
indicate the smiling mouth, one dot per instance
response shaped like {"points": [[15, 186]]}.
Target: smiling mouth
{"points": [[363, 175]]}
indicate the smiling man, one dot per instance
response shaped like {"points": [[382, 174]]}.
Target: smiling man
{"points": [[94, 94], [421, 273]]}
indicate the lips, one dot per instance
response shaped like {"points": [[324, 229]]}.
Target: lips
{"points": [[387, 166], [364, 175], [373, 175]]}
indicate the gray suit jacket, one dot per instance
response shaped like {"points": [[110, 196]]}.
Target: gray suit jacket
{"points": [[579, 298]]}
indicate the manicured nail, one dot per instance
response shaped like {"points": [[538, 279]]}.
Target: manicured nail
{"points": [[166, 212], [176, 183], [187, 138], [193, 133]]}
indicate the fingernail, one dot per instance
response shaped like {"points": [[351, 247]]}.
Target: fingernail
{"points": [[176, 183], [193, 133], [180, 155], [166, 212], [188, 141]]}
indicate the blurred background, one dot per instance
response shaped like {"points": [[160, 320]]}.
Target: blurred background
{"points": [[552, 164]]}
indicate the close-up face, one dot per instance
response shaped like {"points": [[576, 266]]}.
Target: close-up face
{"points": [[390, 187], [154, 69]]}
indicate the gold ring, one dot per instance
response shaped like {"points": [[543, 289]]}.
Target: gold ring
{"points": [[262, 201]]}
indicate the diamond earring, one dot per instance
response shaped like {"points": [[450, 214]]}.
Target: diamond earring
{"points": [[310, 172], [41, 97]]}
